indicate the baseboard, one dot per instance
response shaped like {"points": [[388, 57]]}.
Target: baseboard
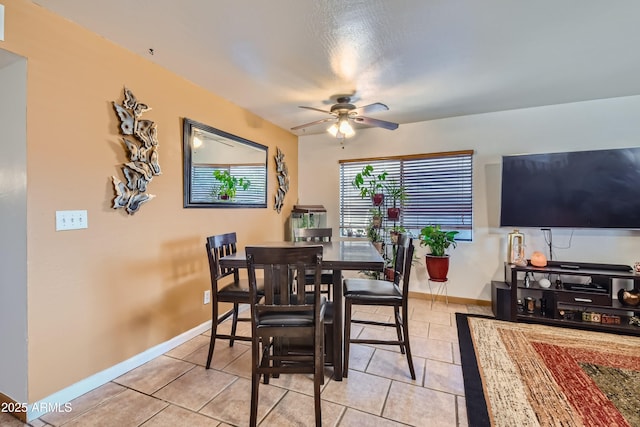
{"points": [[455, 300], [59, 398]]}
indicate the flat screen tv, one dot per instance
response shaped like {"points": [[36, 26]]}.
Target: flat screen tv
{"points": [[581, 189]]}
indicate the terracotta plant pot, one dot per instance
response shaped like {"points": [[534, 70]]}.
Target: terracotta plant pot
{"points": [[378, 246], [389, 274], [376, 221], [393, 214], [437, 267], [377, 199]]}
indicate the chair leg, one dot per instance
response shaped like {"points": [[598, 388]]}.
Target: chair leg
{"points": [[405, 330], [255, 384], [318, 375], [396, 315], [347, 337], [234, 323], [214, 331]]}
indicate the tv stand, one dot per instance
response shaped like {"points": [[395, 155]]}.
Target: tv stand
{"points": [[581, 295]]}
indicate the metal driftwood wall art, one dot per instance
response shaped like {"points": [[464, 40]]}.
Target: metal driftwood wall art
{"points": [[143, 155], [283, 180]]}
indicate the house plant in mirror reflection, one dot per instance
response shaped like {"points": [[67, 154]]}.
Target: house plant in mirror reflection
{"points": [[228, 185], [438, 241]]}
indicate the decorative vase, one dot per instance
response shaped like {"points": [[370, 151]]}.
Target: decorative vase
{"points": [[376, 221], [630, 298], [377, 199], [437, 267], [393, 235]]}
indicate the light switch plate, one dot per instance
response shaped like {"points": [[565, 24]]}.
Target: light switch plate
{"points": [[71, 220]]}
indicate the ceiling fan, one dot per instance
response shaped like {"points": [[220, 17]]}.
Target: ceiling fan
{"points": [[344, 113]]}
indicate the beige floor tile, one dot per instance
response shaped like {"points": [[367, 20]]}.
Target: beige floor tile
{"points": [[395, 366], [360, 356], [353, 418], [445, 377], [233, 406], [384, 310], [222, 354], [174, 416], [456, 353], [241, 366], [449, 308], [432, 349], [300, 383], [360, 391], [129, 408], [375, 317], [419, 329], [418, 406], [439, 317], [154, 375], [84, 403], [189, 347], [299, 410], [356, 330], [243, 328], [443, 333], [195, 388], [483, 310], [364, 308], [386, 334], [461, 404]]}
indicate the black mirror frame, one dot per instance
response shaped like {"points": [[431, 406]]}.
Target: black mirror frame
{"points": [[187, 129]]}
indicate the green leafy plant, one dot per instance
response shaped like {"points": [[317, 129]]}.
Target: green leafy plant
{"points": [[437, 239], [368, 182], [228, 184], [395, 192]]}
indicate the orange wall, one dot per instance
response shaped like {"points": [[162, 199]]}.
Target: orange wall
{"points": [[99, 296]]}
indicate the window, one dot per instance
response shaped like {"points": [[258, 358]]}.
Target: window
{"points": [[438, 187]]}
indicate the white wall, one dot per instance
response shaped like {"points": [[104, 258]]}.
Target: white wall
{"points": [[608, 123], [13, 226]]}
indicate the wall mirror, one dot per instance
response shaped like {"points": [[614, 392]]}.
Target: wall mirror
{"points": [[222, 170]]}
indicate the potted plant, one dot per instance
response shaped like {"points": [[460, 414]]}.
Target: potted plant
{"points": [[228, 185], [398, 195], [370, 184], [394, 232], [373, 234], [438, 240], [376, 216]]}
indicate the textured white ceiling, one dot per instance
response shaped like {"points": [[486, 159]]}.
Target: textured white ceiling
{"points": [[425, 59]]}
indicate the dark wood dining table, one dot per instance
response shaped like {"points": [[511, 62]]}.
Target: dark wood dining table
{"points": [[337, 256]]}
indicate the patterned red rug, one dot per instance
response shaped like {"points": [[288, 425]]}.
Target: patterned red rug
{"points": [[533, 375]]}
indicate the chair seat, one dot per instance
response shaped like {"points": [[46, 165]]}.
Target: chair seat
{"points": [[235, 290], [372, 289], [289, 318]]}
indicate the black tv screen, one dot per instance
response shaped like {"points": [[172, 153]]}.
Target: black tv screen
{"points": [[581, 189]]}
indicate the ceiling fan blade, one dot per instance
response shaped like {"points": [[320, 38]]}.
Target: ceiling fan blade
{"points": [[371, 108], [375, 122], [317, 122], [316, 109]]}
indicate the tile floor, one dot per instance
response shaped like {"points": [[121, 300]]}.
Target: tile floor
{"points": [[176, 390]]}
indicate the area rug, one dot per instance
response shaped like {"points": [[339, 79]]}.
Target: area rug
{"points": [[519, 374]]}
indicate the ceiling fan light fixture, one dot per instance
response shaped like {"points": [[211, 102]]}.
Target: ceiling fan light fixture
{"points": [[333, 130], [345, 128]]}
